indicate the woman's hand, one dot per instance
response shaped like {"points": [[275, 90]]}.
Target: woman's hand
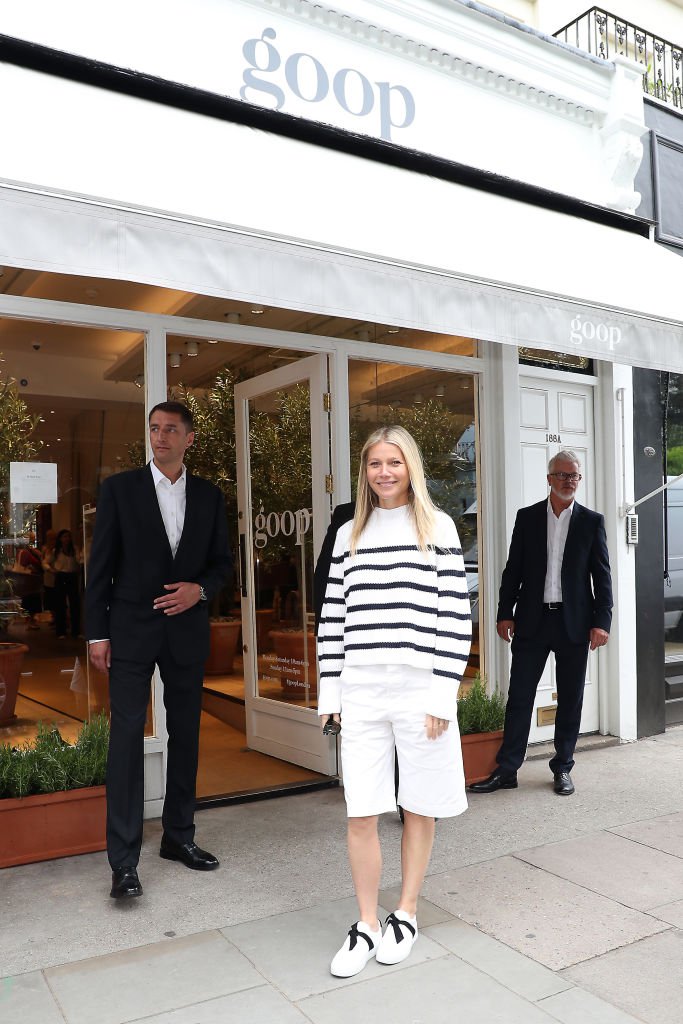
{"points": [[435, 726]]}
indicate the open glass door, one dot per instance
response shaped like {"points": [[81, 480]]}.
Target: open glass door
{"points": [[283, 451]]}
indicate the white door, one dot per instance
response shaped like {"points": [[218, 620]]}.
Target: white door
{"points": [[557, 415], [282, 512]]}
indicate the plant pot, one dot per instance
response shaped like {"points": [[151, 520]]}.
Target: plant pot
{"points": [[51, 825], [11, 657], [289, 662], [223, 646], [479, 751]]}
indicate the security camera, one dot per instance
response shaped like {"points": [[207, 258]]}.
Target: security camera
{"points": [[36, 346]]}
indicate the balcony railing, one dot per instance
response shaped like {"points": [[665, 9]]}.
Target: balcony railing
{"points": [[605, 34]]}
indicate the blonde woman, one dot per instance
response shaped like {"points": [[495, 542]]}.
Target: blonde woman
{"points": [[393, 642]]}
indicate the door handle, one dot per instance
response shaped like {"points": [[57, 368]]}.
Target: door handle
{"points": [[243, 565]]}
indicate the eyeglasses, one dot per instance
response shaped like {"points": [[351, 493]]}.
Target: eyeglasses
{"points": [[574, 477]]}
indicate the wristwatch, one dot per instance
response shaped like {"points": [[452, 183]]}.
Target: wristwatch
{"points": [[202, 593]]}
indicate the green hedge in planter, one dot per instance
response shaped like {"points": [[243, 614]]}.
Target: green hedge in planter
{"points": [[50, 764], [479, 712]]}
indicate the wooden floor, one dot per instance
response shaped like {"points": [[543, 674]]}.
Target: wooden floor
{"points": [[53, 688]]}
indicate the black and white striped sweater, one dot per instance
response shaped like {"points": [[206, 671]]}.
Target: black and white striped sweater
{"points": [[391, 604]]}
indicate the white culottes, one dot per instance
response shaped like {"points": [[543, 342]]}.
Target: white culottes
{"points": [[382, 709]]}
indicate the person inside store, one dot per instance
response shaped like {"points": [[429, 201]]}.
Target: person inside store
{"points": [[29, 563], [49, 581], [160, 552], [65, 562], [555, 595], [393, 643]]}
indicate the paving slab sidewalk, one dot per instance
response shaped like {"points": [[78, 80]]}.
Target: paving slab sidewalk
{"points": [[536, 910]]}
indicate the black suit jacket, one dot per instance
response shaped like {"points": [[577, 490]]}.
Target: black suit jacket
{"points": [[131, 560], [342, 514], [586, 577]]}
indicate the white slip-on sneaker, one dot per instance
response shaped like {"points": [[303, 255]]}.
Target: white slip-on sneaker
{"points": [[399, 938], [359, 946]]}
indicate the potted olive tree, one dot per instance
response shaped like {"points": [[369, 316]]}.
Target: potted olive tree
{"points": [[17, 444]]}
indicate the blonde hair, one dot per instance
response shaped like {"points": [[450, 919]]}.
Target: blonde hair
{"points": [[422, 507]]}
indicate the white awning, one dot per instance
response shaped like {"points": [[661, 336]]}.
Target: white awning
{"points": [[266, 219]]}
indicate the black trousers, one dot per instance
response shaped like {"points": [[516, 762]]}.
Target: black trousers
{"points": [[529, 656], [67, 589], [129, 689]]}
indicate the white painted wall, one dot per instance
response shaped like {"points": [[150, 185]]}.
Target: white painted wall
{"points": [[435, 76]]}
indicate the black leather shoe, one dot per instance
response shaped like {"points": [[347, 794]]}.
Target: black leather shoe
{"points": [[497, 780], [125, 883], [562, 783], [188, 854]]}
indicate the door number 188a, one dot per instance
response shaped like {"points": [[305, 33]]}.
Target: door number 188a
{"points": [[553, 437]]}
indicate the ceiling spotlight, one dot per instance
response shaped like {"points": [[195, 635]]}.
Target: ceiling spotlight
{"points": [[52, 411], [418, 400], [192, 347], [363, 335], [257, 310], [174, 360], [440, 391], [393, 330], [138, 381], [212, 341], [232, 318]]}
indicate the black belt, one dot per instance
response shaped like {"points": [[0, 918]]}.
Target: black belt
{"points": [[553, 606]]}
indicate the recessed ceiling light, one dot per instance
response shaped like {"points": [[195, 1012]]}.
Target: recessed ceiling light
{"points": [[393, 330], [192, 347], [212, 341], [52, 411], [232, 318], [174, 360], [257, 310]]}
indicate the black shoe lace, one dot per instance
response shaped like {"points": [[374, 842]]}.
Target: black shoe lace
{"points": [[354, 935], [396, 924]]}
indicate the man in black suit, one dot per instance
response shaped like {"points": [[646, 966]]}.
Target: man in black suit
{"points": [[160, 551], [555, 595]]}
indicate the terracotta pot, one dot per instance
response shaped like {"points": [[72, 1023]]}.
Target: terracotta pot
{"points": [[289, 662], [479, 751], [51, 825], [223, 646], [11, 657]]}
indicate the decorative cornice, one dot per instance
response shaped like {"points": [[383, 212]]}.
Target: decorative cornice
{"points": [[450, 63]]}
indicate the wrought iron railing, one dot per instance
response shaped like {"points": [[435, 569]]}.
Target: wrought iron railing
{"points": [[605, 34]]}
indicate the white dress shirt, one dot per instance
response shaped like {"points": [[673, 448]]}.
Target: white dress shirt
{"points": [[557, 538], [171, 498]]}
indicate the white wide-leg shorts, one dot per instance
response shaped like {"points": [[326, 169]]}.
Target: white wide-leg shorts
{"points": [[382, 709]]}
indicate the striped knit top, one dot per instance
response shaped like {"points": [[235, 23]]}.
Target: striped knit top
{"points": [[392, 604]]}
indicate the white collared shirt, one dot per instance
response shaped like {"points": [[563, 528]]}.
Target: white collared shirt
{"points": [[171, 498], [557, 538]]}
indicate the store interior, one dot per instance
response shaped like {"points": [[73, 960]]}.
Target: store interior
{"points": [[78, 402]]}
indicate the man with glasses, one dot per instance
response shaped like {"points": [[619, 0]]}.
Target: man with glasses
{"points": [[555, 595]]}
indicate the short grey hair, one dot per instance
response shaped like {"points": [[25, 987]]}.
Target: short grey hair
{"points": [[566, 455]]}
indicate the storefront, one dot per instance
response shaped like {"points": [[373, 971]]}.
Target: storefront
{"points": [[215, 222]]}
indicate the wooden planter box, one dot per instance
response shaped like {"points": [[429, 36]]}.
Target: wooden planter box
{"points": [[479, 751], [51, 825]]}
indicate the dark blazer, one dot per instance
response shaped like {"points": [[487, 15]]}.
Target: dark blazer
{"points": [[131, 560], [342, 514], [586, 577]]}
